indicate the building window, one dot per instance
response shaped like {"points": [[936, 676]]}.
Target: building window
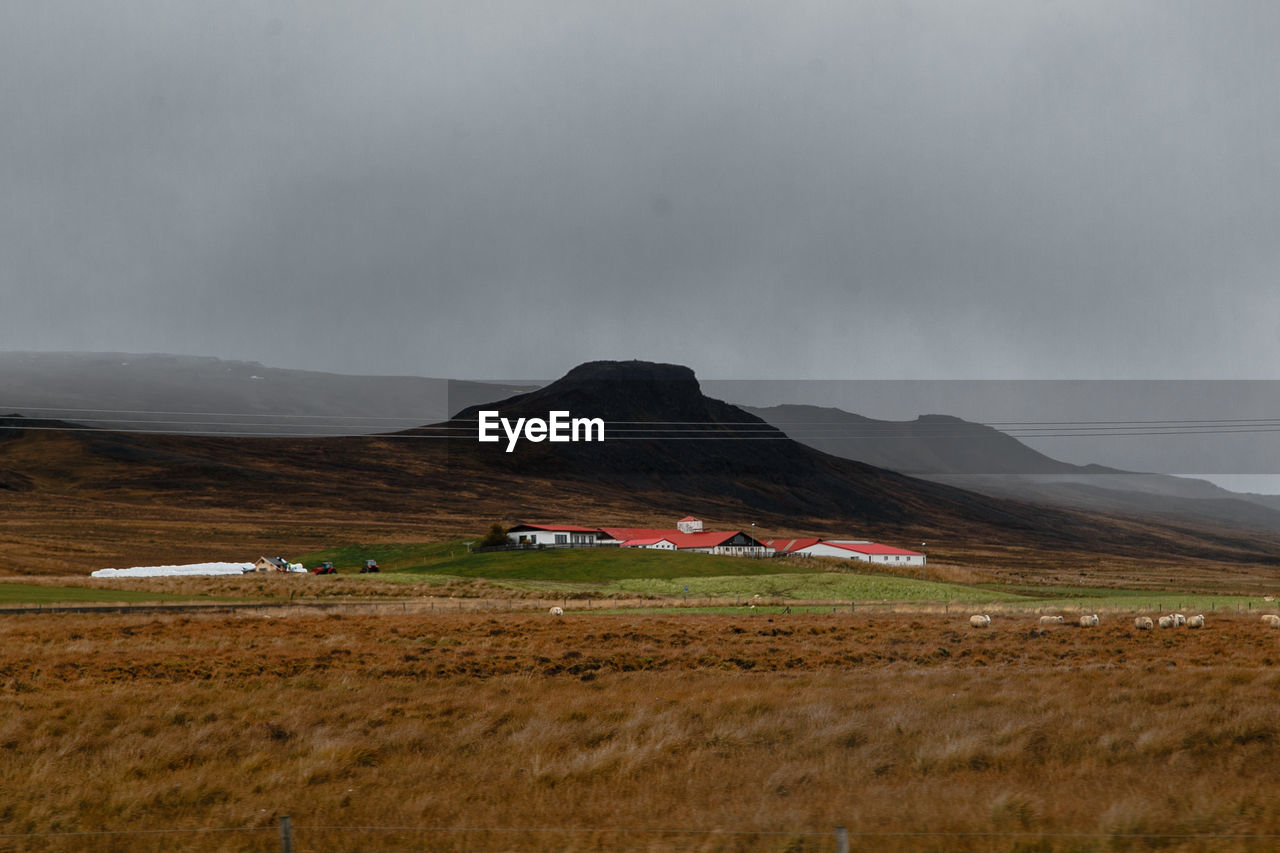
{"points": [[562, 539]]}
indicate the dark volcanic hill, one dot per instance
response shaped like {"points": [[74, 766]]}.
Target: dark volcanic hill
{"points": [[665, 436]]}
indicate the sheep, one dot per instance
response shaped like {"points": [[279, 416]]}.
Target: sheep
{"points": [[978, 621], [1167, 622], [1271, 620], [1178, 619], [557, 611], [1051, 620], [1143, 623], [1089, 621], [1196, 621]]}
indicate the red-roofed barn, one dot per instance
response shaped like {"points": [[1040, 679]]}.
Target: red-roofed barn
{"points": [[868, 552]]}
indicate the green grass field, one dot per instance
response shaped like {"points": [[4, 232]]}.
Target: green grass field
{"points": [[586, 565], [678, 579], [682, 576], [831, 586]]}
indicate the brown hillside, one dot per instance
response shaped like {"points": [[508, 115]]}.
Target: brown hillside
{"points": [[78, 499]]}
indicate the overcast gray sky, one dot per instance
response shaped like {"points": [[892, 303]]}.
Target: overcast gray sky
{"points": [[784, 189]]}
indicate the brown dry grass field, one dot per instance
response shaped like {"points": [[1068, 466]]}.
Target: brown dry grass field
{"points": [[656, 731]]}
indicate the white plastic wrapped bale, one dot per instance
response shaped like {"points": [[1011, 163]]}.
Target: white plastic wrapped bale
{"points": [[173, 571]]}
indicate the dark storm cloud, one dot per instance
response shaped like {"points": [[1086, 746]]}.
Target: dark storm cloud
{"points": [[506, 189]]}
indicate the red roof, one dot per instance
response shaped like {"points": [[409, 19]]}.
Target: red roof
{"points": [[650, 541], [688, 518], [874, 548], [705, 539], [786, 546]]}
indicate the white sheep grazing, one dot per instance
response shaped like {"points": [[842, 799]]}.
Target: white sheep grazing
{"points": [[1178, 619], [557, 611], [1143, 623], [1051, 620], [1196, 621], [1167, 622], [1271, 620], [979, 621], [1089, 621]]}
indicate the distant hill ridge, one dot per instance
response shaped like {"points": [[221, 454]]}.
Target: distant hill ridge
{"points": [[181, 393], [731, 465], [974, 456]]}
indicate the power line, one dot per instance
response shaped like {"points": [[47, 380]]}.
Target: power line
{"points": [[869, 424], [318, 426]]}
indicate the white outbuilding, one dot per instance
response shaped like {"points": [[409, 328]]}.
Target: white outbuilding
{"points": [[867, 552], [656, 543], [553, 534]]}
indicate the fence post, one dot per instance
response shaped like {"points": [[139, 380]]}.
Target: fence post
{"points": [[286, 835], [842, 840]]}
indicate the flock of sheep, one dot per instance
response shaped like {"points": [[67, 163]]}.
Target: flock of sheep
{"points": [[1173, 620], [1142, 623], [982, 620]]}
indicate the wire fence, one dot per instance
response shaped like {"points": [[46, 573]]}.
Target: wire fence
{"points": [[284, 836], [585, 602]]}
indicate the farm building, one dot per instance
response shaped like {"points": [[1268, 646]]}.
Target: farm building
{"points": [[656, 542], [867, 552], [688, 535], [271, 564], [783, 547], [557, 534], [732, 542]]}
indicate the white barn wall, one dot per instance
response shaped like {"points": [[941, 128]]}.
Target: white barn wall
{"points": [[822, 549], [548, 537]]}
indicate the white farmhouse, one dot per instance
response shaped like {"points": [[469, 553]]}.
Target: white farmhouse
{"points": [[552, 534]]}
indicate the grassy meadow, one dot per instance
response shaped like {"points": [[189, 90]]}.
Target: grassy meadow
{"points": [[29, 593], [656, 731], [624, 577], [663, 712]]}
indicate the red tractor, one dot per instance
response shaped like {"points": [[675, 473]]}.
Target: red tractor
{"points": [[369, 566], [325, 568]]}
